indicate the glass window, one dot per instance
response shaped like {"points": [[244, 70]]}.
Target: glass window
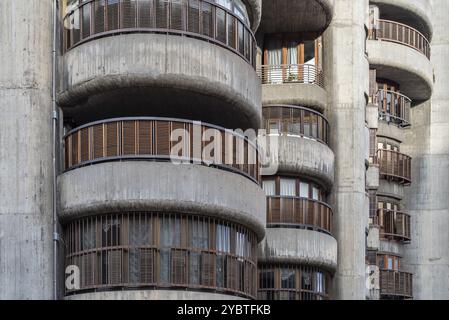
{"points": [[266, 279], [223, 238], [316, 194], [269, 186], [304, 190], [288, 279], [288, 187]]}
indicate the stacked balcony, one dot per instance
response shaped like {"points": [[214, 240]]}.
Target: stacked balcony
{"points": [[160, 198]]}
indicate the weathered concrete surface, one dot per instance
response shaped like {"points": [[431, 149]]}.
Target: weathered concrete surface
{"points": [[391, 189], [427, 199], [162, 187], [304, 157], [254, 8], [404, 65], [26, 150], [391, 131], [346, 69], [162, 75], [173, 295], [298, 246], [372, 177], [415, 13], [309, 15], [392, 247], [299, 94]]}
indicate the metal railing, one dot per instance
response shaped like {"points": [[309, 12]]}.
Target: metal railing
{"points": [[296, 212], [291, 73], [394, 225], [202, 19], [162, 139], [400, 33], [150, 250], [295, 120], [395, 166], [394, 107], [396, 284]]}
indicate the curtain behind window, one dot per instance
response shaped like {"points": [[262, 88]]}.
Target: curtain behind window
{"points": [[288, 187], [274, 48], [269, 187]]}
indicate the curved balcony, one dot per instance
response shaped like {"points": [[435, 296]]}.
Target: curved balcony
{"points": [[394, 225], [293, 282], [291, 73], [296, 121], [298, 247], [396, 284], [395, 166], [403, 34], [151, 251], [161, 139], [202, 19], [140, 69], [277, 16], [394, 107], [401, 54], [299, 213], [416, 13]]}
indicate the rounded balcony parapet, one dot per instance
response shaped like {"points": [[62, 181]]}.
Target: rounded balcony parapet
{"points": [[395, 166], [299, 213], [394, 107], [291, 74], [400, 33], [162, 139], [202, 19], [393, 225], [396, 284]]}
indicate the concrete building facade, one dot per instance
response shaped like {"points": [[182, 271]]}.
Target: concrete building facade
{"points": [[131, 161]]}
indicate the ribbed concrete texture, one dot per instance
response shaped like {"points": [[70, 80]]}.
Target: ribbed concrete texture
{"points": [[428, 201], [25, 149], [346, 78]]}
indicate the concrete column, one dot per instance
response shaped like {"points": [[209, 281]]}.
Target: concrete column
{"points": [[346, 69], [428, 254], [25, 149]]}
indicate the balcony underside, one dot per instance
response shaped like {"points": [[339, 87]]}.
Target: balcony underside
{"points": [[403, 65], [298, 246], [131, 186], [415, 13], [138, 74], [296, 16]]}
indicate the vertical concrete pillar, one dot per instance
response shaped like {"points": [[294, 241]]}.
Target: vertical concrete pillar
{"points": [[346, 69], [428, 202], [25, 149]]}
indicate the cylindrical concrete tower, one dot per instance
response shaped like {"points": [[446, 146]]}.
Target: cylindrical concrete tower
{"points": [[26, 208], [346, 69], [137, 76], [428, 254], [299, 254]]}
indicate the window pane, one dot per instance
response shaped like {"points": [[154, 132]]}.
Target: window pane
{"points": [[288, 187]]}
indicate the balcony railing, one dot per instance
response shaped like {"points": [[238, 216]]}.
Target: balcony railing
{"points": [[393, 107], [396, 284], [292, 73], [200, 19], [394, 225], [161, 139], [400, 33], [395, 166], [291, 295], [295, 212], [297, 121]]}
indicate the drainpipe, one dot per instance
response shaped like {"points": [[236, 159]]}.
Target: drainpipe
{"points": [[56, 237]]}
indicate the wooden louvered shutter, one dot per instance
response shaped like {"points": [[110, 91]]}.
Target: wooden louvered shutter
{"points": [[85, 145], [177, 126], [178, 266], [193, 16], [207, 269], [75, 151], [129, 138], [275, 209], [147, 266], [299, 212], [98, 141], [87, 270], [399, 223], [115, 266], [163, 138], [145, 138], [112, 139]]}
